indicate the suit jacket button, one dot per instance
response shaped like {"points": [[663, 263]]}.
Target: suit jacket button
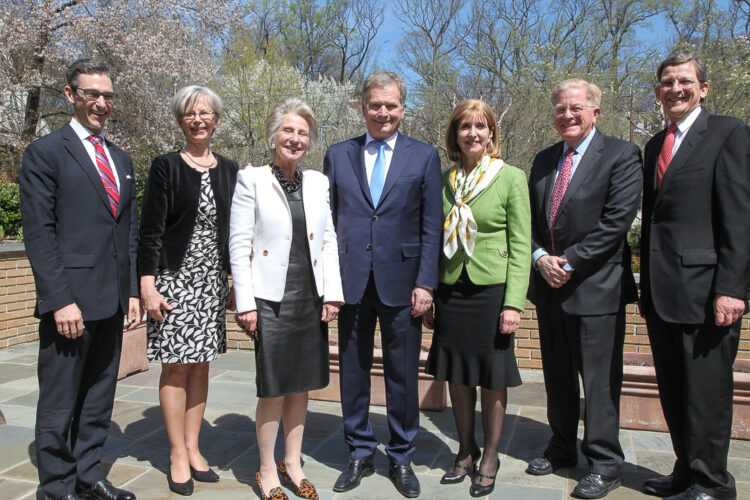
{"points": [[369, 246], [265, 252], [375, 218], [653, 220], [311, 236], [504, 253]]}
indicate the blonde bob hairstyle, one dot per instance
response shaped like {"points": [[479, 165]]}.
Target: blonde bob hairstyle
{"points": [[293, 106], [474, 109]]}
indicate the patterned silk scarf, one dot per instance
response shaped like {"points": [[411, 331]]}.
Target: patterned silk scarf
{"points": [[460, 224]]}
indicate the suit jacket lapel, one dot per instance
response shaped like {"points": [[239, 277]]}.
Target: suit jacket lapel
{"points": [[398, 163], [686, 150], [585, 166], [356, 155], [75, 148], [649, 163]]}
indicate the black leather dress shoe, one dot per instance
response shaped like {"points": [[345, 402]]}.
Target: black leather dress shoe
{"points": [[104, 490], [541, 466], [595, 486], [664, 486], [405, 480], [355, 470], [69, 496], [691, 494]]}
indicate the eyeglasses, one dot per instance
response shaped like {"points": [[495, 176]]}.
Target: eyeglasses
{"points": [[575, 109], [681, 84], [203, 115], [94, 95]]}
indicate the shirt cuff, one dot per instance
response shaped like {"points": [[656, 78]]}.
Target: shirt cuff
{"points": [[538, 253]]}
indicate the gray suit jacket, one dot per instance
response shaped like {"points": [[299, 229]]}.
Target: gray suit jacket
{"points": [[592, 224]]}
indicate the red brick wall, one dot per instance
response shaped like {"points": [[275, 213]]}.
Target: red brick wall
{"points": [[17, 298], [18, 325]]}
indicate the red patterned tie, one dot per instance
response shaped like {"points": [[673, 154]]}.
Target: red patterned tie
{"points": [[105, 172], [665, 155], [561, 185]]}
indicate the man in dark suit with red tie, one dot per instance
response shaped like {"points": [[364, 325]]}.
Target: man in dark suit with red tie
{"points": [[584, 195], [387, 209], [79, 220], [695, 275]]}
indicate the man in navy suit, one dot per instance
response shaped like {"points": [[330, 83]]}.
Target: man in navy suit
{"points": [[79, 219], [386, 204], [695, 275]]}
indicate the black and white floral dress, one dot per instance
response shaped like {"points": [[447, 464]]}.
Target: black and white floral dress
{"points": [[194, 331]]}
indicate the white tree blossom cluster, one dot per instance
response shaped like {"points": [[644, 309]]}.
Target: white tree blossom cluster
{"points": [[152, 46]]}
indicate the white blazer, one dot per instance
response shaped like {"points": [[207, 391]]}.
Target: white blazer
{"points": [[260, 237]]}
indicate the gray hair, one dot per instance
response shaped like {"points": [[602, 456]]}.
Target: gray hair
{"points": [[676, 58], [593, 93], [184, 99], [85, 67], [383, 79], [293, 106]]}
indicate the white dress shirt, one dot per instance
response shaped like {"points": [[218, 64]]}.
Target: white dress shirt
{"points": [[371, 154], [682, 128], [84, 134]]}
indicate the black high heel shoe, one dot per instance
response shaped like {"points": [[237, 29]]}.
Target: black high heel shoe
{"points": [[452, 477], [185, 489], [204, 476], [479, 490]]}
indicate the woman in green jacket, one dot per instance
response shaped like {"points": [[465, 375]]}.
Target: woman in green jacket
{"points": [[484, 272]]}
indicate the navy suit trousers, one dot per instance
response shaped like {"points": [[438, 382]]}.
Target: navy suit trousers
{"points": [[77, 379], [401, 341]]}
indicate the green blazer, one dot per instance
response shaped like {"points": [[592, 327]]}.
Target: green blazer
{"points": [[502, 253]]}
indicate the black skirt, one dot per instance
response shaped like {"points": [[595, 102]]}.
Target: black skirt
{"points": [[467, 346], [291, 353]]}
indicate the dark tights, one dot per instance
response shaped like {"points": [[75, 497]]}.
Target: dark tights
{"points": [[463, 401]]}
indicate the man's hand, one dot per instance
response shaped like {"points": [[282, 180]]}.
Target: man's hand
{"points": [[510, 318], [152, 301], [551, 269], [330, 311], [248, 320], [69, 321], [727, 309], [135, 313], [421, 300]]}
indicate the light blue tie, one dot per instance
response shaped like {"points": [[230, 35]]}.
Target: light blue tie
{"points": [[378, 173]]}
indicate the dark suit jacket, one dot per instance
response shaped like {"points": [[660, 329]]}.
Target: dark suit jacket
{"points": [[170, 205], [696, 227], [592, 224], [78, 250], [399, 238]]}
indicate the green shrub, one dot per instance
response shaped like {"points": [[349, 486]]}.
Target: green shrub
{"points": [[10, 211]]}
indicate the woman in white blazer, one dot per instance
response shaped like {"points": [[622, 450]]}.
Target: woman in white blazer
{"points": [[287, 285]]}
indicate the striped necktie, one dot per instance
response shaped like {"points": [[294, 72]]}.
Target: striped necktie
{"points": [[105, 172]]}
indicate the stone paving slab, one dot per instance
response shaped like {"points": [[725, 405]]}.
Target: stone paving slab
{"points": [[137, 452]]}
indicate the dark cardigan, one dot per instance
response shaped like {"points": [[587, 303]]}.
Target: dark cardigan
{"points": [[170, 205]]}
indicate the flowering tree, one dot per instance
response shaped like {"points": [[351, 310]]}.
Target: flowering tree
{"points": [[153, 47], [252, 81]]}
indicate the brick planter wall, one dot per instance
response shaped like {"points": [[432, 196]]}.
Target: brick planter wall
{"points": [[18, 325]]}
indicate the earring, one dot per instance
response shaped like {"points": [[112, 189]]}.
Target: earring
{"points": [[273, 146]]}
